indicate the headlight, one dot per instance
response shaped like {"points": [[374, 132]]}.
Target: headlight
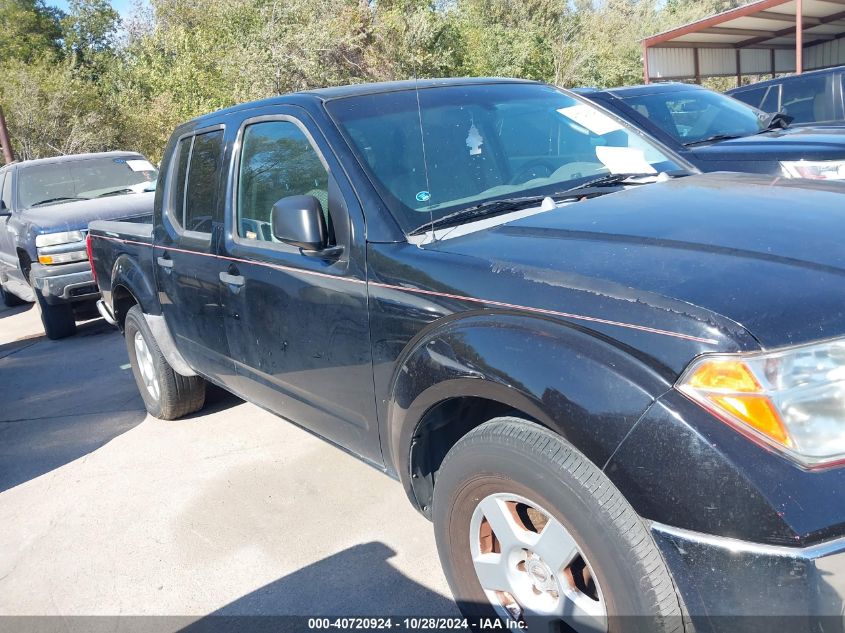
{"points": [[61, 248], [52, 239], [793, 400], [814, 169]]}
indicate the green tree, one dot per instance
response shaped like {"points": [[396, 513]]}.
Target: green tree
{"points": [[89, 29], [51, 110], [504, 38], [30, 30]]}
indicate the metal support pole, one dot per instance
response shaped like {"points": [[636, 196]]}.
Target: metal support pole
{"points": [[696, 63], [8, 155], [799, 37]]}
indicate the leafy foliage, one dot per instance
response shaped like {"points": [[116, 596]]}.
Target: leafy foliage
{"points": [[87, 81]]}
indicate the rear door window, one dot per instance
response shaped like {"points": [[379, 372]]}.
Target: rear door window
{"points": [[771, 102], [6, 195], [196, 181], [203, 182], [805, 99], [752, 96]]}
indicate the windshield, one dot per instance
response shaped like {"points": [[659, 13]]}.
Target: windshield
{"points": [[53, 183], [692, 116], [469, 144]]}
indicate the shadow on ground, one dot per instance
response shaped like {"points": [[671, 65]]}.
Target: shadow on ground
{"points": [[358, 581], [60, 400], [7, 312]]}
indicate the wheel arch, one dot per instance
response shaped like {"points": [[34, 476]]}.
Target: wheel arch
{"points": [[25, 262], [130, 286], [467, 371]]}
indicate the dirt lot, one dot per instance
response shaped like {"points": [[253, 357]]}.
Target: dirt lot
{"points": [[105, 511]]}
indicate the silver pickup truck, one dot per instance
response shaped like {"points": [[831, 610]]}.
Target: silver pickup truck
{"points": [[45, 208]]}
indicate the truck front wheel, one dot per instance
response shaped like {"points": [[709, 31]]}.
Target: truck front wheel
{"points": [[167, 395], [531, 532], [58, 319]]}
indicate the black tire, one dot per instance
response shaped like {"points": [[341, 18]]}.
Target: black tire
{"points": [[10, 300], [178, 395], [513, 457], [58, 319]]}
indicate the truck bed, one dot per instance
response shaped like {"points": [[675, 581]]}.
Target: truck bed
{"points": [[124, 246]]}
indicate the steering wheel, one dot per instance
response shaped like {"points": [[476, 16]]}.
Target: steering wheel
{"points": [[529, 170]]}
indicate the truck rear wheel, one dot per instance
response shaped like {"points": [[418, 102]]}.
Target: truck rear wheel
{"points": [[58, 319], [167, 395], [530, 531], [9, 300]]}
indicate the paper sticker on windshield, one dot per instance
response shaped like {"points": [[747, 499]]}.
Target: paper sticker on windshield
{"points": [[594, 120], [423, 196], [140, 165], [624, 160]]}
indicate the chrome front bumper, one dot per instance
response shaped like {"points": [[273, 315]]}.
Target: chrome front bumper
{"points": [[65, 282]]}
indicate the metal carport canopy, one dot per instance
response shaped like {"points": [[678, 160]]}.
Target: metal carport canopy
{"points": [[759, 38]]}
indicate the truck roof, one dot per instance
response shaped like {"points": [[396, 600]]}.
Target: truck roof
{"points": [[356, 90], [642, 89]]}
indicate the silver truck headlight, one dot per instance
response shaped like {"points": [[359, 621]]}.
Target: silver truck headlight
{"points": [[792, 400], [61, 248], [814, 169], [54, 239]]}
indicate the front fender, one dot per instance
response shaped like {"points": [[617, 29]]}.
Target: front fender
{"points": [[128, 272], [588, 389]]}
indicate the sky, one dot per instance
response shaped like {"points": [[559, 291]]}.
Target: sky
{"points": [[124, 7]]}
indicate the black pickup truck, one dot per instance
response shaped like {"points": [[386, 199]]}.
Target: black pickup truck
{"points": [[614, 384]]}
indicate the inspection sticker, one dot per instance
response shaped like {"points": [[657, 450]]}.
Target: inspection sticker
{"points": [[140, 165], [624, 160]]}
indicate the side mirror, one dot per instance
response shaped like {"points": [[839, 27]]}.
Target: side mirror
{"points": [[5, 212], [299, 221]]}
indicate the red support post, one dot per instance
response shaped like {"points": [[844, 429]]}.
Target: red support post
{"points": [[646, 78], [8, 155], [799, 36]]}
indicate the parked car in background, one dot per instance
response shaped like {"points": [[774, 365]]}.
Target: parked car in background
{"points": [[718, 133], [811, 98], [45, 209], [612, 382]]}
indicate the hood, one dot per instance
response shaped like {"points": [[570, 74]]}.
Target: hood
{"points": [[766, 254], [812, 143], [76, 215]]}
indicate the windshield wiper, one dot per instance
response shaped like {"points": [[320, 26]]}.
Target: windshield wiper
{"points": [[506, 205], [116, 192], [58, 199], [713, 139], [608, 180], [488, 208]]}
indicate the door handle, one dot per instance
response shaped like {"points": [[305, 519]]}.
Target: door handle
{"points": [[232, 280], [164, 262]]}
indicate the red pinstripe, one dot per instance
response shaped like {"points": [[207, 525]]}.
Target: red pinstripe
{"points": [[489, 302]]}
